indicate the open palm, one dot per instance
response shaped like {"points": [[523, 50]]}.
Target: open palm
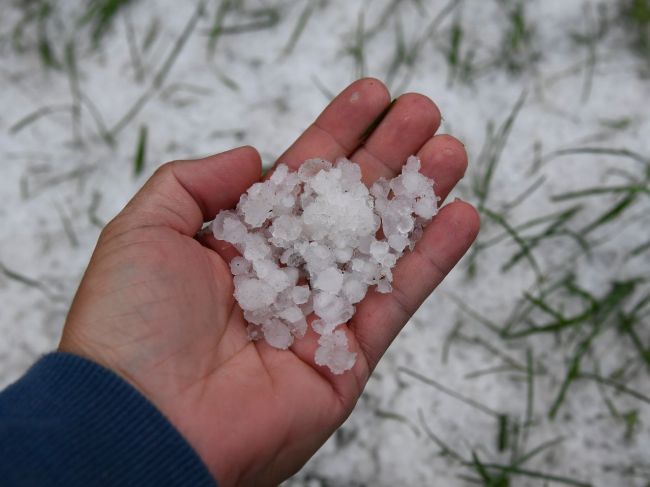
{"points": [[156, 305]]}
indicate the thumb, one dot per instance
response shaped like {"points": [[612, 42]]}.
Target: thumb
{"points": [[183, 194]]}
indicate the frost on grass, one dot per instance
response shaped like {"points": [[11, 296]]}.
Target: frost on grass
{"points": [[310, 244]]}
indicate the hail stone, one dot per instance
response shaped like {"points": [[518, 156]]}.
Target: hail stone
{"points": [[308, 243]]}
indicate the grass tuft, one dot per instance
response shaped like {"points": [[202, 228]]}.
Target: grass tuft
{"points": [[635, 15], [490, 156], [299, 28], [502, 475], [100, 16], [518, 50]]}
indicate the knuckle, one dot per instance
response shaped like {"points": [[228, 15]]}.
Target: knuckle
{"points": [[165, 170]]}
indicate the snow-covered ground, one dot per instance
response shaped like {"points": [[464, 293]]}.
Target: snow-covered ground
{"points": [[549, 96]]}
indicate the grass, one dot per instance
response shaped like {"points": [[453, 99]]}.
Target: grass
{"points": [[530, 389], [249, 20], [299, 28], [577, 332], [93, 219], [496, 474], [162, 73], [518, 50], [627, 196], [525, 250], [135, 51], [72, 70], [460, 51], [140, 152], [225, 6], [597, 314], [43, 30], [481, 185], [100, 16], [30, 282], [357, 48], [556, 310], [591, 38], [454, 55], [512, 363], [450, 392], [596, 310], [635, 15], [37, 16], [68, 227], [614, 152], [37, 114], [406, 55], [490, 156]]}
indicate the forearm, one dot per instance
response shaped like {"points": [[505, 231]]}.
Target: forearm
{"points": [[69, 421]]}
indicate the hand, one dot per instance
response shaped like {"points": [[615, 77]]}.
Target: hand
{"points": [[156, 304]]}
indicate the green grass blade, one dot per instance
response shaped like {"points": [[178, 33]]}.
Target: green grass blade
{"points": [[140, 152]]}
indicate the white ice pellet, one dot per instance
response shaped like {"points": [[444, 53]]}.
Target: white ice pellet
{"points": [[333, 352], [301, 294], [292, 314], [398, 242], [332, 308], [330, 280], [379, 249], [239, 266], [309, 243], [286, 227], [343, 255], [298, 328], [354, 290], [277, 334], [252, 293]]}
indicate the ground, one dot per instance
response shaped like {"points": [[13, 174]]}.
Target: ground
{"points": [[529, 365]]}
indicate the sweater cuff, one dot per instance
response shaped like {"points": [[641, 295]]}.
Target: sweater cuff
{"points": [[69, 421]]}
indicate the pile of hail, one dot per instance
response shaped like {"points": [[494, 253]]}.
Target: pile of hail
{"points": [[313, 241]]}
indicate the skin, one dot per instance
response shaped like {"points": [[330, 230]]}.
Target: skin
{"points": [[156, 302]]}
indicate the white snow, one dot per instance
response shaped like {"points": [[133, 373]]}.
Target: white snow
{"points": [[60, 185]]}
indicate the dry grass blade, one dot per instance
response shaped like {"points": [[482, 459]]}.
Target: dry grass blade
{"points": [[161, 75], [470, 402]]}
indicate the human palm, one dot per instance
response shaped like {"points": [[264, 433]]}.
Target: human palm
{"points": [[156, 303]]}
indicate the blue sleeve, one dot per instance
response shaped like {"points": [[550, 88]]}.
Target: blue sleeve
{"points": [[71, 422]]}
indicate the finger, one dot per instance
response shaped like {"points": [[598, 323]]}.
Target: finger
{"points": [[337, 132], [380, 317], [444, 160], [339, 128], [411, 121], [226, 250], [184, 194]]}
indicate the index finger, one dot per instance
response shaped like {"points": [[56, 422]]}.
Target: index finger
{"points": [[339, 129]]}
